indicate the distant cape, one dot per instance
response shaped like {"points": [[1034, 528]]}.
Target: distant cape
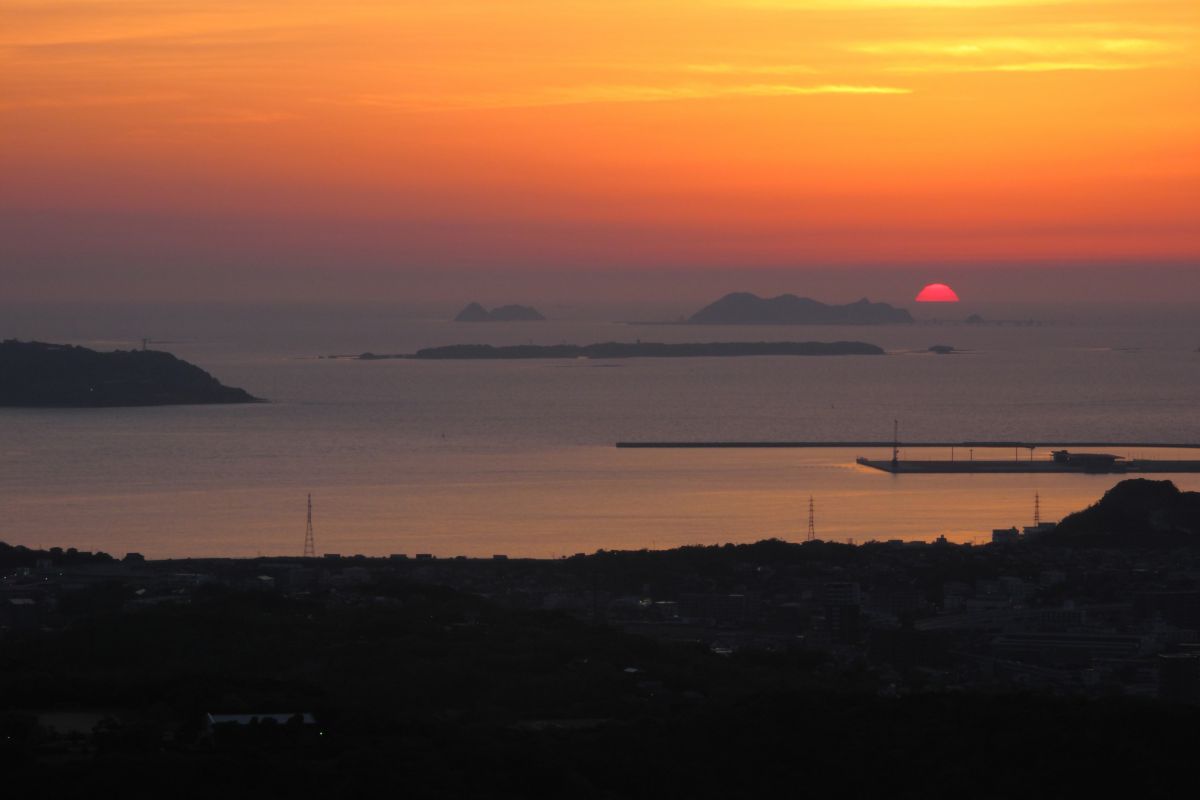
{"points": [[40, 375], [744, 308], [512, 313]]}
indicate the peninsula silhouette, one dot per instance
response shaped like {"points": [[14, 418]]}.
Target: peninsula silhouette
{"points": [[39, 375]]}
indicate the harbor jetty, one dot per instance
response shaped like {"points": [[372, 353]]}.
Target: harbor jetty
{"points": [[847, 444], [1062, 458], [1109, 465]]}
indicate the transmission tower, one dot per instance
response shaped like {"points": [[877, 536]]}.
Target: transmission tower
{"points": [[310, 544], [895, 443], [1037, 509], [812, 520]]}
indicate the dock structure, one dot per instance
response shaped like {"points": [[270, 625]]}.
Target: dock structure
{"points": [[847, 444], [1119, 467], [1062, 460]]}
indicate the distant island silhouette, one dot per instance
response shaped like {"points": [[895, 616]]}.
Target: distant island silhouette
{"points": [[41, 375], [511, 313], [744, 308], [638, 350]]}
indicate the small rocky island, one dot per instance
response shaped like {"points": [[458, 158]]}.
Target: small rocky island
{"points": [[512, 313], [649, 350], [744, 308], [41, 375]]}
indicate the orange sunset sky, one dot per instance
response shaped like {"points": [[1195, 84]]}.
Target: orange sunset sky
{"points": [[184, 138]]}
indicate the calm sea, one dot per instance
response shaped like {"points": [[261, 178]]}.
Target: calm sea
{"points": [[478, 458]]}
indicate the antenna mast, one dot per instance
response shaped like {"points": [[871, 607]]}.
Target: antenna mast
{"points": [[812, 521], [310, 545], [1037, 509]]}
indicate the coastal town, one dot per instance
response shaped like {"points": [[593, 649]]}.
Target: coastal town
{"points": [[310, 660], [1027, 611]]}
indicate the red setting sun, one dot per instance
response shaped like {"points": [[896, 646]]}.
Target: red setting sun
{"points": [[937, 293]]}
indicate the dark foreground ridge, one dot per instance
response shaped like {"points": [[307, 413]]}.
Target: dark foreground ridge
{"points": [[901, 669], [906, 669], [653, 350], [744, 308], [1137, 512], [40, 375], [512, 313]]}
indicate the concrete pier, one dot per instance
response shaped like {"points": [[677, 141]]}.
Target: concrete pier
{"points": [[908, 445], [1132, 466]]}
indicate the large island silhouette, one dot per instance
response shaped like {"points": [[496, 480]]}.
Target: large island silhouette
{"points": [[639, 349], [744, 308], [474, 312]]}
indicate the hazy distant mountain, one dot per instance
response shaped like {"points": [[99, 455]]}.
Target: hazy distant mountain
{"points": [[36, 374], [513, 313], [744, 308], [1134, 512], [473, 313]]}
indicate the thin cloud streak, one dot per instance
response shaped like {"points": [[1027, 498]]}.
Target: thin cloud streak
{"points": [[614, 94], [1033, 45], [1029, 66], [1021, 54], [751, 69], [236, 117], [90, 101], [1064, 66], [878, 5]]}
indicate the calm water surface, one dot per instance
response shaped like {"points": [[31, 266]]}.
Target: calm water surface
{"points": [[512, 457]]}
